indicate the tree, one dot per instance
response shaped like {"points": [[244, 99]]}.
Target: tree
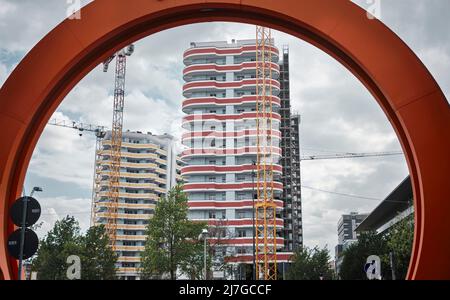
{"points": [[96, 257], [310, 264], [399, 241], [355, 256], [60, 242], [98, 260], [172, 239], [218, 247]]}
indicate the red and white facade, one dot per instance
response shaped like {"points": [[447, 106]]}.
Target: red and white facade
{"points": [[220, 107]]}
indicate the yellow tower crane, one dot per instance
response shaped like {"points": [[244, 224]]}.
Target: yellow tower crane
{"points": [[265, 207], [116, 140]]}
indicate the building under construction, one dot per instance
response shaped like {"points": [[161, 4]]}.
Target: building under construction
{"points": [[149, 167], [290, 162]]}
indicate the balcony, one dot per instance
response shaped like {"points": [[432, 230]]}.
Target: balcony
{"points": [[193, 86], [276, 151], [213, 169], [211, 68], [194, 102], [192, 53], [212, 186]]}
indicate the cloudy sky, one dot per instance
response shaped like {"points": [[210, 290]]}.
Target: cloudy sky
{"points": [[338, 114]]}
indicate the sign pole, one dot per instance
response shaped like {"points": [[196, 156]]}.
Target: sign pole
{"points": [[22, 235]]}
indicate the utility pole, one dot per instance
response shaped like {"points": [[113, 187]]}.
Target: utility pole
{"points": [[391, 259], [204, 235], [253, 220]]}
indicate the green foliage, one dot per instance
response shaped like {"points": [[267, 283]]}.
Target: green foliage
{"points": [[355, 256], [310, 264], [172, 240], [97, 259], [399, 241], [62, 241]]}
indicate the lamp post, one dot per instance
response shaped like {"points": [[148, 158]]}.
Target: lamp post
{"points": [[204, 235], [23, 227], [253, 220], [36, 189]]}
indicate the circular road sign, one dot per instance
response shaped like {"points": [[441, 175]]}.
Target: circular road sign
{"points": [[31, 243], [33, 211]]}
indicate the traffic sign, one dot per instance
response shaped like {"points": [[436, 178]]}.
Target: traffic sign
{"points": [[33, 211], [30, 245]]}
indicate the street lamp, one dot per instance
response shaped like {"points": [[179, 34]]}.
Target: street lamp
{"points": [[253, 219], [36, 189], [204, 235]]}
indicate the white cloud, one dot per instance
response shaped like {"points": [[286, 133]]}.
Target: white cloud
{"points": [[64, 156], [3, 73], [6, 8], [56, 208]]}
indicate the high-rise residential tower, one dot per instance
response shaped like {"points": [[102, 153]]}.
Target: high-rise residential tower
{"points": [[149, 167], [220, 107]]}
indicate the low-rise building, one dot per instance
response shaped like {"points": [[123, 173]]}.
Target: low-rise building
{"points": [[395, 207]]}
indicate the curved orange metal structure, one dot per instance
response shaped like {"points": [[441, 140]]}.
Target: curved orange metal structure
{"points": [[406, 91]]}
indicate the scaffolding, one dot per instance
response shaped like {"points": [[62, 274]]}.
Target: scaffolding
{"points": [[265, 207], [290, 162]]}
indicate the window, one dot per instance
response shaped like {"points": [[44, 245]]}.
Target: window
{"points": [[212, 162], [240, 196], [212, 179], [242, 233], [240, 177], [212, 215], [241, 250], [128, 265]]}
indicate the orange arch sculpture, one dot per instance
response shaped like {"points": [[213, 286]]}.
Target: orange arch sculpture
{"points": [[405, 90]]}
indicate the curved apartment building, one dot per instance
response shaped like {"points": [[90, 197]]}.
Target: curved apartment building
{"points": [[149, 168], [219, 174]]}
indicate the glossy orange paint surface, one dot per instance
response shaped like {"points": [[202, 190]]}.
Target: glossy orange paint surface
{"points": [[405, 90]]}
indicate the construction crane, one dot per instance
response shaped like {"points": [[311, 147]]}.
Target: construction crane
{"points": [[100, 132], [265, 207], [116, 139], [81, 127], [349, 155]]}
